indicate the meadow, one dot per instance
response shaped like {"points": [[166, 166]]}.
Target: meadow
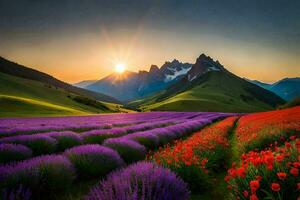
{"points": [[152, 155]]}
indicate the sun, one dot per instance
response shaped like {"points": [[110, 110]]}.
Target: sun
{"points": [[120, 68]]}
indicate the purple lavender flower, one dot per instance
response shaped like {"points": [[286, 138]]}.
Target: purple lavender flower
{"points": [[19, 193], [40, 174], [94, 160], [159, 136], [39, 144], [146, 138], [143, 180], [98, 136], [14, 152], [129, 150], [65, 139]]}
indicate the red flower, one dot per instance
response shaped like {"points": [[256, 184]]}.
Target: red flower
{"points": [[296, 164], [281, 175], [253, 197], [254, 185], [269, 159], [246, 193], [227, 178], [298, 186], [288, 145], [259, 178], [269, 167], [275, 187], [293, 137], [241, 172], [279, 158], [294, 171], [204, 161], [232, 172]]}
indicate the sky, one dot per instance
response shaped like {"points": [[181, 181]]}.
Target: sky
{"points": [[76, 40]]}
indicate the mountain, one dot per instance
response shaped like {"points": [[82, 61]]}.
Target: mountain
{"points": [[260, 84], [131, 85], [174, 70], [293, 103], [26, 97], [288, 88], [209, 86], [83, 84], [15, 69]]}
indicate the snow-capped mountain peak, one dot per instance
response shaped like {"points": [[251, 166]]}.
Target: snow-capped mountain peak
{"points": [[174, 70], [176, 73]]}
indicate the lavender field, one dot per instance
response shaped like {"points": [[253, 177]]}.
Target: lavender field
{"points": [[44, 156]]}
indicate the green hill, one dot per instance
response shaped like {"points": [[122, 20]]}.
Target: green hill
{"points": [[21, 71], [23, 97], [213, 91], [12, 106]]}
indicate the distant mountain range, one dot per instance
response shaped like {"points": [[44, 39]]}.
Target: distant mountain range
{"points": [[205, 85], [209, 86], [131, 85], [288, 88]]}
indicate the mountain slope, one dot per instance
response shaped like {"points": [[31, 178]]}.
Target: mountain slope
{"points": [[288, 88], [260, 84], [83, 84], [116, 84], [130, 85], [15, 69], [290, 104], [23, 97], [14, 106], [208, 86]]}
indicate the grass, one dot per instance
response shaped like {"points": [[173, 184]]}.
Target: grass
{"points": [[12, 106], [217, 192], [22, 97], [199, 99], [218, 92]]}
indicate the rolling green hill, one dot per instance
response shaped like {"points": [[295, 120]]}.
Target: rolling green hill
{"points": [[21, 71], [213, 91], [23, 97]]}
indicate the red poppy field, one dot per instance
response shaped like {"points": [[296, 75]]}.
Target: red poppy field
{"points": [[253, 156]]}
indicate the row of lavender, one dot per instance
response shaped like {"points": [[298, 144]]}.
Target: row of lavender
{"points": [[143, 180], [54, 142], [15, 126], [56, 172]]}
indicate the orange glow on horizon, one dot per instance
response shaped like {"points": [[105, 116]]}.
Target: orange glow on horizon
{"points": [[92, 56]]}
